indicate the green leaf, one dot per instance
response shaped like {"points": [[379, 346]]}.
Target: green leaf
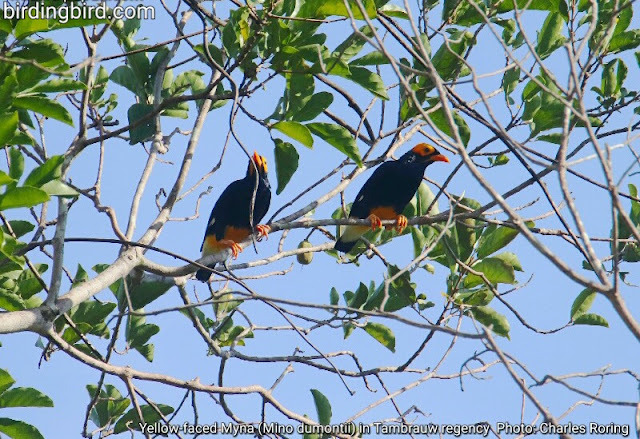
{"points": [[368, 80], [394, 11], [466, 230], [206, 322], [625, 41], [59, 188], [146, 129], [58, 85], [28, 284], [375, 58], [141, 335], [439, 119], [286, 163], [46, 172], [124, 76], [91, 312], [347, 329], [494, 238], [146, 292], [402, 292], [359, 298], [109, 406], [5, 179], [139, 63], [44, 106], [25, 27], [490, 318], [424, 198], [481, 297], [296, 131], [18, 429], [315, 106], [8, 127], [6, 25], [298, 92], [16, 167], [338, 137], [510, 80], [583, 303], [501, 159], [99, 84], [24, 397], [609, 79], [215, 52], [147, 351], [327, 8], [447, 59], [591, 319], [131, 419], [11, 301], [531, 107], [9, 83], [22, 197], [333, 296], [382, 334], [138, 334], [191, 79], [323, 407], [419, 241], [551, 138], [353, 44], [45, 52], [19, 227], [550, 36], [495, 270], [511, 259], [6, 380], [621, 75]]}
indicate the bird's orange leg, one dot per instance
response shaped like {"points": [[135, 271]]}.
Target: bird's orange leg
{"points": [[235, 248], [401, 223], [376, 223], [263, 231]]}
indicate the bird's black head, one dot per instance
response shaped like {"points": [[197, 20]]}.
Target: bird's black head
{"points": [[423, 154], [261, 164]]}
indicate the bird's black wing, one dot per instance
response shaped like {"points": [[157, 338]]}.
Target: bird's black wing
{"points": [[220, 214], [374, 191]]}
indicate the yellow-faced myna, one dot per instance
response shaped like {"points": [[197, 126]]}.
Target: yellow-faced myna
{"points": [[230, 220], [387, 192]]}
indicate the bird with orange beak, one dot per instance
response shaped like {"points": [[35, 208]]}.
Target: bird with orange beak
{"points": [[387, 192], [231, 221]]}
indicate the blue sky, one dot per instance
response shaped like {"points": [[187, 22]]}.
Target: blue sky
{"points": [[545, 301]]}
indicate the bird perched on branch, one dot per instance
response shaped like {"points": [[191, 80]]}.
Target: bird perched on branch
{"points": [[231, 221], [387, 192]]}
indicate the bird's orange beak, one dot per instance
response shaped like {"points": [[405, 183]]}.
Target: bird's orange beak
{"points": [[440, 158]]}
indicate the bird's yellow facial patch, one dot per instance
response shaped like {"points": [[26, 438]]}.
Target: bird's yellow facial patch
{"points": [[423, 149], [384, 213], [260, 161]]}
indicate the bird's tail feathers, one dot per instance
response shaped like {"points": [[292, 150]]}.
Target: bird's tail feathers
{"points": [[216, 257], [349, 237], [203, 275]]}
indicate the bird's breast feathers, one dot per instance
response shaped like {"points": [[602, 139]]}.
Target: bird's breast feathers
{"points": [[384, 212], [235, 234]]}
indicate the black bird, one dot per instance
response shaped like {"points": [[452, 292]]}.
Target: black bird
{"points": [[229, 223], [387, 192]]}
